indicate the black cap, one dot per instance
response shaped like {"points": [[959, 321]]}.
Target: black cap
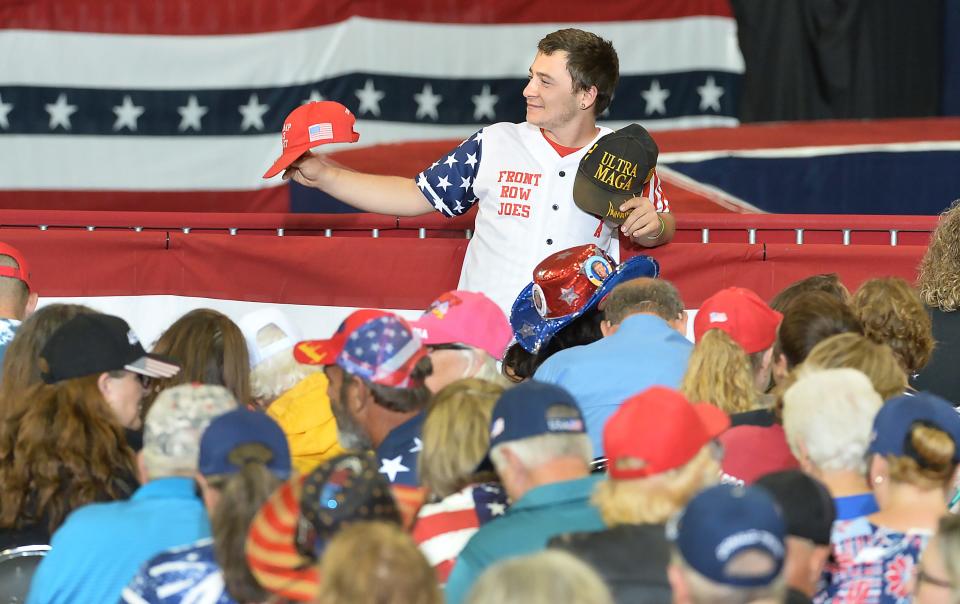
{"points": [[94, 343], [613, 170], [806, 504]]}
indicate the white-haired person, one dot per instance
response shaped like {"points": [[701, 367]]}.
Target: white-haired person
{"points": [[539, 447], [661, 452], [827, 416], [294, 394], [913, 457], [466, 334], [729, 548]]}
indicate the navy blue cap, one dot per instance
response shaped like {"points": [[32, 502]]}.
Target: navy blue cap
{"points": [[239, 436], [534, 408], [724, 521], [892, 424]]}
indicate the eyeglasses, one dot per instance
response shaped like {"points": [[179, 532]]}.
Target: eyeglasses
{"points": [[452, 346], [923, 577]]}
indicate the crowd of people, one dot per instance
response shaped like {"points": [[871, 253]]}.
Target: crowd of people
{"points": [[786, 453], [565, 443]]}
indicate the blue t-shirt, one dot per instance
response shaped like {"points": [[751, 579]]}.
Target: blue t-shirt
{"points": [[183, 574], [101, 546], [644, 351]]}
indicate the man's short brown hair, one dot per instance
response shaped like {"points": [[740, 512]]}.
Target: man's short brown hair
{"points": [[591, 61], [643, 295]]}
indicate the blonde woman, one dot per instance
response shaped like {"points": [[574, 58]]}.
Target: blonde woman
{"points": [[660, 454], [550, 577], [877, 361], [455, 438], [730, 365], [375, 563]]}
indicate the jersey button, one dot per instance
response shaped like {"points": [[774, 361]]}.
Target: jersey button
{"points": [[549, 241], [562, 173], [556, 206]]}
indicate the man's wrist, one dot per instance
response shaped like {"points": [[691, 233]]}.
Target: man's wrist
{"points": [[663, 227]]}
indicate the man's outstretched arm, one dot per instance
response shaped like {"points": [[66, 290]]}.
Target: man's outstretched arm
{"points": [[391, 195]]}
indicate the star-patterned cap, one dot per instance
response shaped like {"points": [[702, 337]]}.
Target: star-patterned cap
{"points": [[310, 125], [567, 284], [375, 345], [289, 533]]}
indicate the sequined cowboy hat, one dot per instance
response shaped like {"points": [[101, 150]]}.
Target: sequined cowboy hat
{"points": [[567, 284]]}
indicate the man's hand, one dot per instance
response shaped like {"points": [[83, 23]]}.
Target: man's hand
{"points": [[644, 226], [642, 221], [308, 170]]}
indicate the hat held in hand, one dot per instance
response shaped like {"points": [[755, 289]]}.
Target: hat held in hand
{"points": [[614, 170], [311, 125]]}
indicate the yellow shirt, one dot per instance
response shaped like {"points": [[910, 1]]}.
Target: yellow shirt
{"points": [[305, 416]]}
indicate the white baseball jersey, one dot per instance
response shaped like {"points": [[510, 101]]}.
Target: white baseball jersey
{"points": [[525, 191]]}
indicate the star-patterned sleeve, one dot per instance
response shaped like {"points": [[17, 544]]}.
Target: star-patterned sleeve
{"points": [[448, 183]]}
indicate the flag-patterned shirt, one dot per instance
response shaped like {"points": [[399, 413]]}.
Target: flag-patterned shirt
{"points": [[183, 574], [870, 564], [443, 528]]}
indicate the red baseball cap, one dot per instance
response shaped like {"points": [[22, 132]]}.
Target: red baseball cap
{"points": [[23, 272], [747, 319], [750, 452], [462, 317], [311, 125], [658, 430], [375, 345]]}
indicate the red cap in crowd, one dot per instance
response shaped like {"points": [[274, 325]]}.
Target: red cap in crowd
{"points": [[747, 319], [311, 125], [375, 345], [23, 272], [658, 430]]}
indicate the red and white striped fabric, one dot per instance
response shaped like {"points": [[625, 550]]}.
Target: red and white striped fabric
{"points": [[443, 529]]}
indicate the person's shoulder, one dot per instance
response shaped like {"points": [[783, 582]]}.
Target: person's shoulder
{"points": [[198, 551], [91, 513]]}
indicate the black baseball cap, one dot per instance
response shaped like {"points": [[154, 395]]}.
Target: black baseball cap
{"points": [[95, 343], [807, 506], [614, 170]]}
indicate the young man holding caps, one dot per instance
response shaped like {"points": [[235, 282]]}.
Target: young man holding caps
{"points": [[522, 175]]}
